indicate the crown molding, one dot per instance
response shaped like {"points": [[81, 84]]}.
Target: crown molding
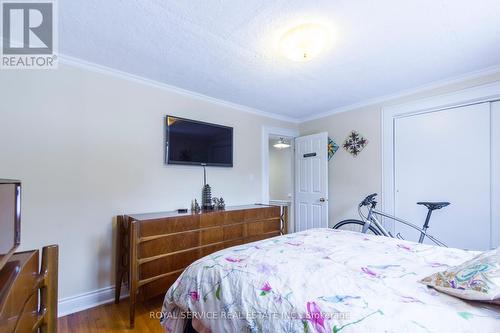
{"points": [[405, 93], [80, 63]]}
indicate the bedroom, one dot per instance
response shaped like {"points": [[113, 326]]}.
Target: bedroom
{"points": [[87, 89]]}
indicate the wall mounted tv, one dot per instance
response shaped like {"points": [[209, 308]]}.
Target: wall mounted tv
{"points": [[192, 142]]}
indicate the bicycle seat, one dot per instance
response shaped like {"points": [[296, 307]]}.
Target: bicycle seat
{"points": [[433, 205]]}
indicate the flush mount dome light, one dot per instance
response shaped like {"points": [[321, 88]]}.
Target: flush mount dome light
{"points": [[304, 42], [281, 144]]}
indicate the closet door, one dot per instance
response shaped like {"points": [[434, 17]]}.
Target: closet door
{"points": [[445, 156]]}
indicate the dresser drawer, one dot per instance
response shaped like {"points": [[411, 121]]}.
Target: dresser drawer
{"points": [[19, 298], [28, 316]]}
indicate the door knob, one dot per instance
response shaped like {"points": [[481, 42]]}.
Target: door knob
{"points": [[322, 199]]}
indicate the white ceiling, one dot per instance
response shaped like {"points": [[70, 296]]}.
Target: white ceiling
{"points": [[226, 49]]}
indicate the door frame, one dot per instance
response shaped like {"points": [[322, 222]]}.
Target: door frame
{"points": [[479, 94], [268, 131]]}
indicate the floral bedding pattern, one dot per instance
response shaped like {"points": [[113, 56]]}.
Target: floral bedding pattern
{"points": [[324, 280]]}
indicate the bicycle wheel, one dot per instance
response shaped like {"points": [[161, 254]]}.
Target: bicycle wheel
{"points": [[355, 225]]}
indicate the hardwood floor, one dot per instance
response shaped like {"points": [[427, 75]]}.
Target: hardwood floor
{"points": [[113, 318]]}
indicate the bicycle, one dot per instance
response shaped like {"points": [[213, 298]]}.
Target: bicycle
{"points": [[370, 223]]}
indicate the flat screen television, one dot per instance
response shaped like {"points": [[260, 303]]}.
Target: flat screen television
{"points": [[192, 142], [10, 218]]}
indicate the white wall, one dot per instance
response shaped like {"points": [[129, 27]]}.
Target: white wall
{"points": [[350, 179], [89, 146], [280, 172]]}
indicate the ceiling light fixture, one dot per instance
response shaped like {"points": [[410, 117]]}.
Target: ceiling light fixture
{"points": [[281, 144], [304, 42]]}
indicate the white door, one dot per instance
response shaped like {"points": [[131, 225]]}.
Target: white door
{"points": [[445, 156], [311, 182]]}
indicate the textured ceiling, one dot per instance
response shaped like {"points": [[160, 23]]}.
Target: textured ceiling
{"points": [[226, 49]]}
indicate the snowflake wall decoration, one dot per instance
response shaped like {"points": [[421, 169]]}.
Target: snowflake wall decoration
{"points": [[355, 143]]}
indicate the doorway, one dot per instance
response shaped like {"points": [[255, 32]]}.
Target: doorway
{"points": [[281, 173], [278, 169]]}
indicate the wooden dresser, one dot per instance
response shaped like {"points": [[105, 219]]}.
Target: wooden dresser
{"points": [[28, 294], [154, 249]]}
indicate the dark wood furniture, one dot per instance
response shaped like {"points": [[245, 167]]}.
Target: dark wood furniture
{"points": [[153, 249], [28, 294]]}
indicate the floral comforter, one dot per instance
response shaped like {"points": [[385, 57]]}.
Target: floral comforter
{"points": [[323, 280]]}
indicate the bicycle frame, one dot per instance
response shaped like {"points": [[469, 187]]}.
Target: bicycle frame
{"points": [[371, 218]]}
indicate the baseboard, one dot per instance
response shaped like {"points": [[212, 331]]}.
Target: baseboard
{"points": [[88, 300]]}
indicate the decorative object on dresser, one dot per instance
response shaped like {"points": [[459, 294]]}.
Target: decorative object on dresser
{"points": [[219, 203], [154, 249], [206, 193], [28, 294]]}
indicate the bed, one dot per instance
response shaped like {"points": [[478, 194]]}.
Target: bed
{"points": [[323, 280]]}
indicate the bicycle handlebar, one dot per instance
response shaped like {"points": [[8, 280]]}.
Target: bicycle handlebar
{"points": [[368, 200]]}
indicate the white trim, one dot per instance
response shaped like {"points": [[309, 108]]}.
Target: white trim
{"points": [[492, 176], [76, 62], [88, 300], [404, 93], [495, 176], [484, 93]]}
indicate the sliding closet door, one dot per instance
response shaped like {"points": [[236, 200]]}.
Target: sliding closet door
{"points": [[445, 156]]}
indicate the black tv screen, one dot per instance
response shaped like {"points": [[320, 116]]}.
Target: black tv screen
{"points": [[197, 143]]}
